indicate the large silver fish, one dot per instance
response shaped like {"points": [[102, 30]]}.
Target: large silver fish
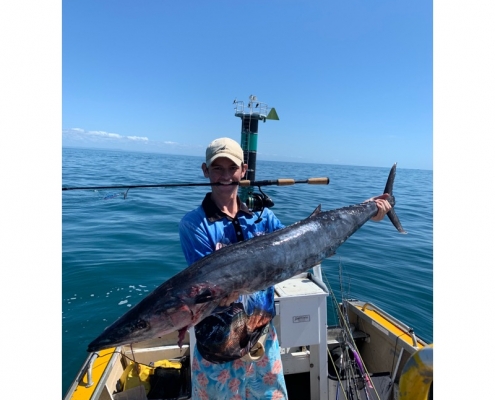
{"points": [[246, 267]]}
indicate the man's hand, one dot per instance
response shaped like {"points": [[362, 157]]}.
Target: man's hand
{"points": [[383, 206], [227, 301]]}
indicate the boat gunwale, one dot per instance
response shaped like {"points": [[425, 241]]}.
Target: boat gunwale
{"points": [[100, 374]]}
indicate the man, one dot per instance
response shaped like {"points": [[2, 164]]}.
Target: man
{"points": [[225, 364]]}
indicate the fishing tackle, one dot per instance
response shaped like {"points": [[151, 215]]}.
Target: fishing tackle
{"points": [[243, 183], [257, 202]]}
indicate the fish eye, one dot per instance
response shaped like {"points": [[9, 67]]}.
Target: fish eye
{"points": [[141, 324]]}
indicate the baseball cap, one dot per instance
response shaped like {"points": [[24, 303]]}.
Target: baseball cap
{"points": [[224, 147]]}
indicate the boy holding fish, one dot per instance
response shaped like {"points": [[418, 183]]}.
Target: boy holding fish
{"points": [[237, 353]]}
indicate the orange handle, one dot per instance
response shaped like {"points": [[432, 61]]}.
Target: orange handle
{"points": [[285, 182], [319, 181]]}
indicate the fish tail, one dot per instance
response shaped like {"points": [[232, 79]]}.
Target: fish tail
{"points": [[389, 188]]}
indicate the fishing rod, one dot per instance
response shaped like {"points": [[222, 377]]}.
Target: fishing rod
{"points": [[355, 363], [243, 183], [255, 202]]}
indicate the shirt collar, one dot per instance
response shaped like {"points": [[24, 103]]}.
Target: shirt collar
{"points": [[213, 213]]}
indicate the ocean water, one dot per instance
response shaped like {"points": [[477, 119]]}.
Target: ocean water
{"points": [[115, 250]]}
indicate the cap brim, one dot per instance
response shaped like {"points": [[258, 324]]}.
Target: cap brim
{"points": [[225, 155]]}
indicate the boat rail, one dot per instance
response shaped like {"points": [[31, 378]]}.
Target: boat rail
{"points": [[88, 370], [403, 326], [96, 375], [254, 108]]}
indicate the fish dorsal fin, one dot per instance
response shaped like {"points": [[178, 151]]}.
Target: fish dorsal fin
{"points": [[316, 211]]}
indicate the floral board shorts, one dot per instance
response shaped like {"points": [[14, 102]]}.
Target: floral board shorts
{"points": [[239, 380]]}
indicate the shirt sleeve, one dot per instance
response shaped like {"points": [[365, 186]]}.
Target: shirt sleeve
{"points": [[194, 238], [273, 223]]}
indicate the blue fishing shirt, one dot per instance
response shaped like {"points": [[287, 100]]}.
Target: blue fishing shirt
{"points": [[229, 332]]}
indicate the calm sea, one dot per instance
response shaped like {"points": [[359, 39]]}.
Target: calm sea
{"points": [[115, 250]]}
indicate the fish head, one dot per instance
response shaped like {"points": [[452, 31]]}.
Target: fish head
{"points": [[156, 315]]}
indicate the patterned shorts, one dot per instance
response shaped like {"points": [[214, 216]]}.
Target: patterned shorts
{"points": [[239, 380]]}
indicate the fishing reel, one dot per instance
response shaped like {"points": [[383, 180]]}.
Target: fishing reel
{"points": [[257, 202]]}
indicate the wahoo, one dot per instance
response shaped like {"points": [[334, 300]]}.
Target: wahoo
{"points": [[246, 267]]}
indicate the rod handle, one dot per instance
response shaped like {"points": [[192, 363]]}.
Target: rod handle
{"points": [[319, 181], [311, 181], [285, 182]]}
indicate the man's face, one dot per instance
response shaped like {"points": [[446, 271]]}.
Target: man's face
{"points": [[225, 171]]}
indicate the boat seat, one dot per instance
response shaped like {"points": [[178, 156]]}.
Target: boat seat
{"points": [[334, 335]]}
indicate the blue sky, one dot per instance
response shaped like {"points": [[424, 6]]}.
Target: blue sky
{"points": [[351, 81]]}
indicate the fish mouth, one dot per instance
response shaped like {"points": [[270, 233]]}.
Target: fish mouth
{"points": [[97, 345]]}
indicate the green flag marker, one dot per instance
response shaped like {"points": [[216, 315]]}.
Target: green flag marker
{"points": [[272, 114]]}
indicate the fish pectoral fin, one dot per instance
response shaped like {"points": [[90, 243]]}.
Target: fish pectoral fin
{"points": [[181, 336], [204, 297]]}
